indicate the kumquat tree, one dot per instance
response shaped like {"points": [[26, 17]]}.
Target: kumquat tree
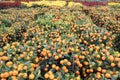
{"points": [[59, 40]]}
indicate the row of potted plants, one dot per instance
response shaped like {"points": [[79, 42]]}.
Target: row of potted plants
{"points": [[54, 43], [50, 3]]}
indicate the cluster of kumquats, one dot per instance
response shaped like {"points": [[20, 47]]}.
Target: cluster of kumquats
{"points": [[106, 17], [57, 44]]}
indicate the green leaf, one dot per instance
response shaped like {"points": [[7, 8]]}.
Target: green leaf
{"points": [[116, 53], [1, 49], [5, 67], [61, 77], [72, 75], [30, 44], [7, 23], [112, 78], [67, 76], [80, 22], [50, 62], [20, 78], [56, 45], [38, 74]]}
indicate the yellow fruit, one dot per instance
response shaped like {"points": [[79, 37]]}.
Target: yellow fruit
{"points": [[66, 70], [47, 65], [56, 57], [5, 58], [31, 76], [98, 76], [39, 46], [10, 73], [69, 63], [111, 58], [31, 69], [25, 67], [111, 72], [9, 63], [65, 60], [60, 55], [78, 78], [118, 64], [58, 50], [5, 48], [28, 58], [64, 67], [21, 56], [98, 56], [99, 69], [77, 50], [53, 66], [46, 69], [20, 74], [112, 64], [1, 75], [107, 75], [103, 71], [5, 75], [85, 63], [87, 70], [77, 72], [36, 59], [103, 58], [61, 62], [49, 54], [91, 70], [51, 77], [1, 53], [117, 59], [57, 68], [82, 57], [50, 72], [15, 72], [44, 53], [76, 56], [80, 65], [84, 74], [25, 75], [46, 76]]}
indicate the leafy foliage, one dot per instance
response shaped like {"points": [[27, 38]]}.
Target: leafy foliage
{"points": [[58, 44]]}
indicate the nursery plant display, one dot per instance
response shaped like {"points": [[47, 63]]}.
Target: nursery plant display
{"points": [[60, 43]]}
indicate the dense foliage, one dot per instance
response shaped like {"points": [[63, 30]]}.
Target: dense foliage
{"points": [[54, 43]]}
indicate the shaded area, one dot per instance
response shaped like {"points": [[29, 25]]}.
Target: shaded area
{"points": [[116, 43]]}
